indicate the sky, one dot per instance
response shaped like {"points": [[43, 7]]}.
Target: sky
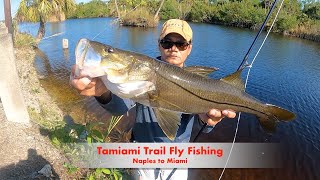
{"points": [[15, 5]]}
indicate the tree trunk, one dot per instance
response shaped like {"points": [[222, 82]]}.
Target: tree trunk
{"points": [[115, 1], [158, 11], [41, 31]]}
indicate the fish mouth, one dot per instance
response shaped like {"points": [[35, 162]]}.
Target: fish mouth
{"points": [[87, 58], [80, 51], [85, 55]]}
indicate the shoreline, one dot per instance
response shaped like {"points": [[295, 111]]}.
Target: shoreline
{"points": [[41, 107], [303, 35], [28, 149], [306, 36]]}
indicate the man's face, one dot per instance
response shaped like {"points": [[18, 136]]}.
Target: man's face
{"points": [[175, 55]]}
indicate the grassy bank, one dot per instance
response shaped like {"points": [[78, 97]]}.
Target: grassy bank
{"points": [[42, 109], [51, 120], [44, 113]]}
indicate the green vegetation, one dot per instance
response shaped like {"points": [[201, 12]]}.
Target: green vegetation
{"points": [[239, 14], [139, 18], [23, 39], [296, 18], [312, 10], [43, 11], [95, 8], [130, 13], [65, 136], [170, 10]]}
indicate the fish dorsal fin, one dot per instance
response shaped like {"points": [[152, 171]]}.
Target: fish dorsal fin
{"points": [[169, 121], [201, 70], [234, 79]]}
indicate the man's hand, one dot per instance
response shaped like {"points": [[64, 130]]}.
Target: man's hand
{"points": [[214, 116], [86, 86]]}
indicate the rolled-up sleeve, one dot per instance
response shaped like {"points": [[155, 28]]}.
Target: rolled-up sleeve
{"points": [[118, 106]]}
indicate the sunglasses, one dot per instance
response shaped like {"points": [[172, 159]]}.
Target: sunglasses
{"points": [[180, 45]]}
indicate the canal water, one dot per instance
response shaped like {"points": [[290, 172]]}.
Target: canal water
{"points": [[286, 73]]}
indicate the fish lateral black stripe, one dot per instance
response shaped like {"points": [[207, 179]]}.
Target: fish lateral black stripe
{"points": [[236, 105]]}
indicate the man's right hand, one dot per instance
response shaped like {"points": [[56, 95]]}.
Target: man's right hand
{"points": [[95, 88]]}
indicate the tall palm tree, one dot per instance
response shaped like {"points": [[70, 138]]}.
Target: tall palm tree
{"points": [[41, 10]]}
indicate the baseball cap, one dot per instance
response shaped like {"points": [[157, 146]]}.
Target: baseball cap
{"points": [[176, 26]]}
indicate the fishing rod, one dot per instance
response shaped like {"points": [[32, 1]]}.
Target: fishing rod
{"points": [[240, 66], [245, 85], [258, 34], [246, 56]]}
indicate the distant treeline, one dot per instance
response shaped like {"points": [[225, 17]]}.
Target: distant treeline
{"points": [[295, 18]]}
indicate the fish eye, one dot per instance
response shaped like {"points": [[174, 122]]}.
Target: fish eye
{"points": [[109, 50]]}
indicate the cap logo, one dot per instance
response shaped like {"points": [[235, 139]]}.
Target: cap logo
{"points": [[175, 24]]}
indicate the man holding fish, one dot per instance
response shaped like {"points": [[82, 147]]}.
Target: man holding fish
{"points": [[175, 45], [169, 98]]}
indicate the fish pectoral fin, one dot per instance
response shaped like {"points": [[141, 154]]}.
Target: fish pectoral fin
{"points": [[169, 121], [201, 70], [268, 124], [165, 103], [234, 79]]}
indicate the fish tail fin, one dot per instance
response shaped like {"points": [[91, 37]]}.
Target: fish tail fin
{"points": [[280, 113], [276, 114]]}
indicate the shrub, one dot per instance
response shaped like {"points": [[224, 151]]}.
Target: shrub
{"points": [[96, 8], [312, 10], [140, 18], [285, 23], [200, 12], [24, 39], [170, 10]]}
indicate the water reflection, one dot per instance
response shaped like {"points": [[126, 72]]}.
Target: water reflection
{"points": [[138, 36], [57, 27], [66, 55], [42, 64]]}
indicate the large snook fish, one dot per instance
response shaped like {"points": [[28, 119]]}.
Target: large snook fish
{"points": [[171, 90]]}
